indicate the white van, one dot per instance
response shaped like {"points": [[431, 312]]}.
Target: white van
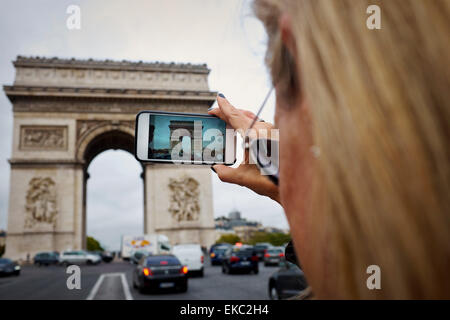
{"points": [[190, 255]]}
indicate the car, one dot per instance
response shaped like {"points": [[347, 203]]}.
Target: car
{"points": [[107, 256], [241, 258], [217, 254], [46, 258], [261, 248], [222, 244], [288, 281], [9, 267], [136, 256], [190, 255], [160, 272], [78, 257], [273, 256]]}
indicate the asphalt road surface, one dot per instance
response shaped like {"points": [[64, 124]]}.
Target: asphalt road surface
{"points": [[108, 281]]}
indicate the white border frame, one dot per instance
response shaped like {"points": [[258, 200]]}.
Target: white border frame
{"points": [[142, 136]]}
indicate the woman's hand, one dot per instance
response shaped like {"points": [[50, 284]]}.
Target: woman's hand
{"points": [[247, 175]]}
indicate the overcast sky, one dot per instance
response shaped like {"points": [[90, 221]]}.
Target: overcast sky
{"points": [[222, 34]]}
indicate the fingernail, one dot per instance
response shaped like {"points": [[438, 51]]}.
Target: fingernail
{"points": [[221, 95], [212, 168], [210, 108]]}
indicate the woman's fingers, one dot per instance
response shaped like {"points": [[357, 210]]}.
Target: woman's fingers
{"points": [[248, 175], [234, 117], [226, 173]]}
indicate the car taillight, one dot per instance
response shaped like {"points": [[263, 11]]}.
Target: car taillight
{"points": [[212, 255], [267, 255], [184, 270], [281, 255], [202, 259], [234, 259], [254, 258], [147, 272]]}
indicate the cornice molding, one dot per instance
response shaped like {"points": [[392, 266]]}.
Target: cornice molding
{"points": [[107, 93], [157, 66]]}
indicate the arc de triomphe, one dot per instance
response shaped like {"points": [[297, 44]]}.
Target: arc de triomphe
{"points": [[68, 111]]}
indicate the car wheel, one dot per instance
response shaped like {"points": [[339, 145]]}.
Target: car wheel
{"points": [[273, 293], [256, 271], [184, 287], [201, 273], [16, 273], [265, 264], [134, 284], [89, 262], [141, 289]]}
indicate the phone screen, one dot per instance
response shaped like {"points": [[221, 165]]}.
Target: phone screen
{"points": [[186, 138]]}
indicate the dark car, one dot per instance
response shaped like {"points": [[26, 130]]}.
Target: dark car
{"points": [[211, 249], [160, 272], [107, 256], [273, 256], [240, 259], [46, 258], [287, 282], [261, 249], [9, 267], [217, 254]]}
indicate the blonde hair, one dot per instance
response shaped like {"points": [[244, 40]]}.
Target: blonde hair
{"points": [[379, 103]]}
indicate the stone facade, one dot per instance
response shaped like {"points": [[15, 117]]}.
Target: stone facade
{"points": [[68, 111]]}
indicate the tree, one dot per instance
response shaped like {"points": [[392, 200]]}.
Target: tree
{"points": [[274, 238], [2, 250], [93, 245], [228, 238]]}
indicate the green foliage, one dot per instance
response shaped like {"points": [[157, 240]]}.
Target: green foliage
{"points": [[93, 245], [228, 238], [276, 239]]}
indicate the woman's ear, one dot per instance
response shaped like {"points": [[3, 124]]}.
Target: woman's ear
{"points": [[287, 37]]}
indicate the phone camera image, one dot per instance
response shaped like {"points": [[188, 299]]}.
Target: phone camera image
{"points": [[184, 139]]}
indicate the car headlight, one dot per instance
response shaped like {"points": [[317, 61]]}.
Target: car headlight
{"points": [[17, 268]]}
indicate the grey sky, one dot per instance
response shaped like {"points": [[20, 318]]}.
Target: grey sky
{"points": [[222, 34]]}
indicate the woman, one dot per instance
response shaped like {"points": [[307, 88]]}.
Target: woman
{"points": [[364, 142]]}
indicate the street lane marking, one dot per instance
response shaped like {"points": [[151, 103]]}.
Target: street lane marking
{"points": [[126, 288], [96, 287]]}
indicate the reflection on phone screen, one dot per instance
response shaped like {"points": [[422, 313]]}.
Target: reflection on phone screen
{"points": [[187, 139]]}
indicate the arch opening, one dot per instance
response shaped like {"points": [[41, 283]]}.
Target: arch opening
{"points": [[113, 189]]}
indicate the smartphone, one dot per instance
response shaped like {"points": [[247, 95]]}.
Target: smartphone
{"points": [[183, 138]]}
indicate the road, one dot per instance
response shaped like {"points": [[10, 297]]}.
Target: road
{"points": [[113, 281]]}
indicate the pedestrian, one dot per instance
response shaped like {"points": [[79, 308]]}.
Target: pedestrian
{"points": [[364, 134]]}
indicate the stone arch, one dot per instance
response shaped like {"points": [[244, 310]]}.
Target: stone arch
{"points": [[66, 120], [104, 137]]}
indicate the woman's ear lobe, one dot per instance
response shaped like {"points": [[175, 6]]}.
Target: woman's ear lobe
{"points": [[287, 37]]}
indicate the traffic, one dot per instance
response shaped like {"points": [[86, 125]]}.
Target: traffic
{"points": [[154, 269]]}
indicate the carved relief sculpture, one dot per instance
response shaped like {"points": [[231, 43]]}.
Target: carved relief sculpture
{"points": [[43, 137], [184, 199], [41, 202]]}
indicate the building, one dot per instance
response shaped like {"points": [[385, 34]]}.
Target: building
{"points": [[245, 233], [66, 112], [236, 224]]}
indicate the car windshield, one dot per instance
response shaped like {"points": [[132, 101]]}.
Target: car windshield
{"points": [[220, 249], [243, 252], [275, 251], [162, 261], [3, 261]]}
